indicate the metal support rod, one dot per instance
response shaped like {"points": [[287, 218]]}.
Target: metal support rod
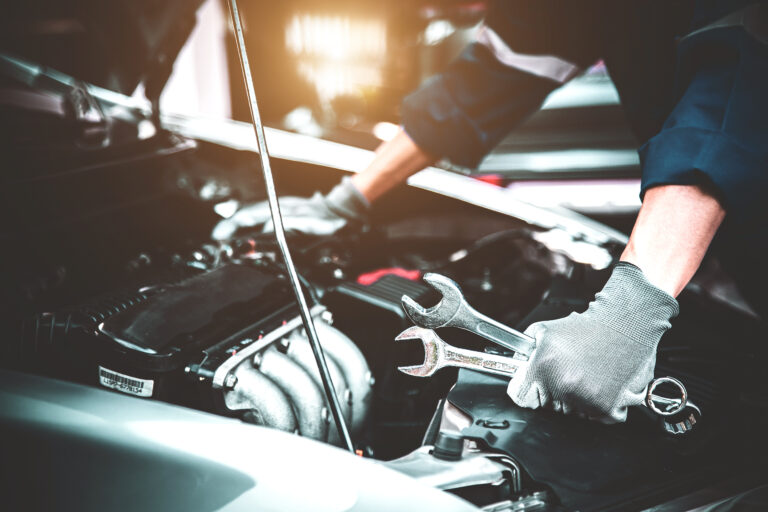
{"points": [[277, 220]]}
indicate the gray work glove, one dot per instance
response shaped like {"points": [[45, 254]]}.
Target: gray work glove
{"points": [[316, 215], [598, 363]]}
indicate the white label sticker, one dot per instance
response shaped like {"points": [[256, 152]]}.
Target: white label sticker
{"points": [[125, 383]]}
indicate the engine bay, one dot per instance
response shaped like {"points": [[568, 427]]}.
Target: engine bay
{"points": [[115, 282]]}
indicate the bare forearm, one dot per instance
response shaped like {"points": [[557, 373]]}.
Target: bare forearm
{"points": [[395, 161], [675, 226]]}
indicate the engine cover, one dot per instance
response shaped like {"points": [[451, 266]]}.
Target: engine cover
{"points": [[228, 340], [142, 342], [170, 327]]}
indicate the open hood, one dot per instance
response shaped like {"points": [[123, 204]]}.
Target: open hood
{"points": [[116, 44]]}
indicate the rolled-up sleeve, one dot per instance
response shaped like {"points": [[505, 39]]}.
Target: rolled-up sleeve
{"points": [[526, 50], [717, 134], [464, 112]]}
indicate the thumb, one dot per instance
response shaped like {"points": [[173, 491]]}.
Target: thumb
{"points": [[521, 389]]}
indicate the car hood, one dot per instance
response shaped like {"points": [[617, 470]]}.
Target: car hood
{"points": [[100, 447], [116, 45]]}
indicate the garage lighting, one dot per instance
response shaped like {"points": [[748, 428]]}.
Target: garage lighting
{"points": [[339, 55]]}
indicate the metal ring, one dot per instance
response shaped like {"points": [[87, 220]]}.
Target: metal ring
{"points": [[649, 398]]}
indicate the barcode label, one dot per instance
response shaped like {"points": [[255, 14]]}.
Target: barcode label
{"points": [[125, 383]]}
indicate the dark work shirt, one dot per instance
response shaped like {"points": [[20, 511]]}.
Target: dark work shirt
{"points": [[696, 100]]}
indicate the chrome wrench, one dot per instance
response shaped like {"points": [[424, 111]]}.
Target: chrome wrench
{"points": [[454, 311], [678, 415], [439, 354]]}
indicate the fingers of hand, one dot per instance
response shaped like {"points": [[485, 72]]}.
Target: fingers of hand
{"points": [[521, 389]]}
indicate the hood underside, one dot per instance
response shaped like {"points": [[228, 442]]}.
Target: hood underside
{"points": [[116, 44]]}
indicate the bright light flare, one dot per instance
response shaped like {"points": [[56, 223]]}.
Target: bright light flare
{"points": [[336, 37], [338, 54], [385, 131]]}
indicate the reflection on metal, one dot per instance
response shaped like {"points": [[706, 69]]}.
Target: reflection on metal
{"points": [[230, 364], [438, 355], [474, 469], [145, 129], [538, 501], [301, 353], [453, 310], [355, 368], [302, 390], [284, 390], [560, 241], [558, 161], [259, 399], [29, 73], [227, 208], [584, 196]]}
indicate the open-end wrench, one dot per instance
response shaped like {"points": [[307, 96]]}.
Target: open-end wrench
{"points": [[439, 354], [453, 311]]}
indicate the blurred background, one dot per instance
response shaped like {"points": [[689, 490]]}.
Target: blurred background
{"points": [[336, 69]]}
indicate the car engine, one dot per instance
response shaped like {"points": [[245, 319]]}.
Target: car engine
{"points": [[227, 340], [116, 283]]}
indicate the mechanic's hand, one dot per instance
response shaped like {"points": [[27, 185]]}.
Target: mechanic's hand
{"points": [[598, 363], [316, 215]]}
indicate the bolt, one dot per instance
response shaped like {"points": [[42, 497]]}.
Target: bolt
{"points": [[327, 317], [230, 382]]}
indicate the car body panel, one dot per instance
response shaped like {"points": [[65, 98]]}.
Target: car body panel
{"points": [[71, 447]]}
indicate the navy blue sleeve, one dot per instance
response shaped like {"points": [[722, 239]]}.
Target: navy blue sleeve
{"points": [[464, 112], [717, 134]]}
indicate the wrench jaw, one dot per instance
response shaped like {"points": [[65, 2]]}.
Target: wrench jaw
{"points": [[445, 285], [417, 371], [440, 314], [419, 315], [431, 352]]}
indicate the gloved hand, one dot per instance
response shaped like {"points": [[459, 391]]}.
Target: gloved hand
{"points": [[316, 215], [599, 362]]}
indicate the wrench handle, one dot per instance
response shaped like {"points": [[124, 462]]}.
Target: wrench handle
{"points": [[481, 361], [494, 331]]}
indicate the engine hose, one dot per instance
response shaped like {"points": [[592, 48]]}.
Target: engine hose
{"points": [[277, 221]]}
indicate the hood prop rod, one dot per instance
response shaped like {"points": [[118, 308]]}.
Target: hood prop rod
{"points": [[277, 220]]}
